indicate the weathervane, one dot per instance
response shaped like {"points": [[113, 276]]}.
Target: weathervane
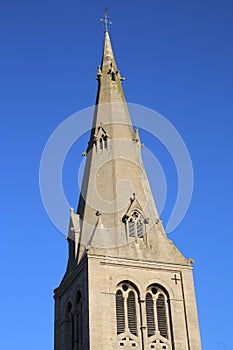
{"points": [[106, 20]]}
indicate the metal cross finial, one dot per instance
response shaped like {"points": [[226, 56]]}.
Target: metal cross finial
{"points": [[106, 20]]}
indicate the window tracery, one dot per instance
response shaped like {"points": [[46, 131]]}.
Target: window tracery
{"points": [[135, 224], [158, 318], [101, 138], [127, 312], [129, 316], [74, 322]]}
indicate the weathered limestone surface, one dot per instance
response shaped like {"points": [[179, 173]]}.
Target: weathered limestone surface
{"points": [[106, 249]]}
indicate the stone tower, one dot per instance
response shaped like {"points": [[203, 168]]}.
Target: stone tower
{"points": [[126, 285]]}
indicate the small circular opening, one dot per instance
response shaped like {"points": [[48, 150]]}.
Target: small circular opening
{"points": [[154, 290], [125, 287]]}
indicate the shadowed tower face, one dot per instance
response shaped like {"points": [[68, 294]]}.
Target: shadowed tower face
{"points": [[126, 285]]}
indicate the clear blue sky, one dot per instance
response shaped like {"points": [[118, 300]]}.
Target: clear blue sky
{"points": [[177, 58]]}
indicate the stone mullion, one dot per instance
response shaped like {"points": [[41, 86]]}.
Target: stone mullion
{"points": [[143, 323], [156, 316], [126, 313], [135, 229]]}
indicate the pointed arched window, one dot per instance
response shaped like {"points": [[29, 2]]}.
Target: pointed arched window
{"points": [[158, 318], [135, 224], [120, 312], [127, 314], [76, 328], [68, 329], [150, 316], [132, 315], [101, 138], [162, 316]]}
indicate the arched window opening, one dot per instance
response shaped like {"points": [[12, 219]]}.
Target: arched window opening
{"points": [[132, 317], [77, 322], [127, 312], [158, 318], [100, 139], [68, 328], [105, 138], [78, 297], [120, 312], [101, 144], [113, 76], [68, 309], [135, 225], [162, 316], [150, 317]]}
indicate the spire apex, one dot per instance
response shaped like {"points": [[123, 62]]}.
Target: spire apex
{"points": [[108, 56], [105, 20]]}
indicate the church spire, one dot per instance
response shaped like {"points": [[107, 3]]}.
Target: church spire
{"points": [[126, 284], [116, 207], [106, 188]]}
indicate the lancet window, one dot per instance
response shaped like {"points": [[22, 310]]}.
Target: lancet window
{"points": [[74, 323], [68, 325], [127, 315], [158, 318], [77, 322]]}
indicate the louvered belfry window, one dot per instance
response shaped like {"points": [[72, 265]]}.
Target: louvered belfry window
{"points": [[120, 312], [126, 309], [132, 317], [162, 316], [150, 316], [158, 317]]}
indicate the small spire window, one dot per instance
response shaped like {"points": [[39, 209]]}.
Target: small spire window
{"points": [[113, 76], [135, 225], [101, 139]]}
